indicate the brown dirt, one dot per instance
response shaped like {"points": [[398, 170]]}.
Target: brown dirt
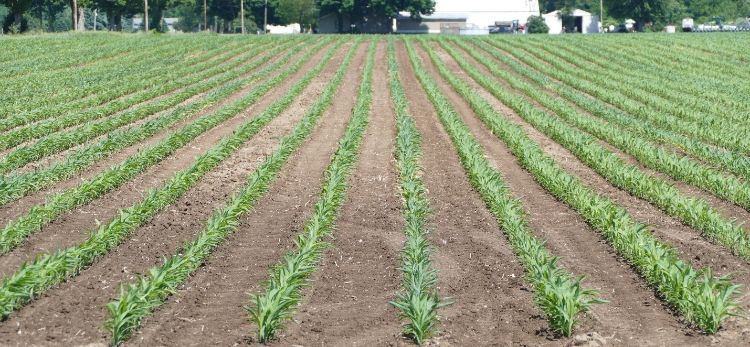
{"points": [[241, 264], [60, 156], [633, 315], [72, 227], [727, 209], [348, 303], [689, 245], [48, 320], [476, 266], [157, 98]]}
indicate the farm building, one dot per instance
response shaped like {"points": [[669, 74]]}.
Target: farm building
{"points": [[476, 15], [450, 16], [579, 21]]}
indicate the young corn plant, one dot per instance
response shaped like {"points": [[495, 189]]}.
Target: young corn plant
{"points": [[703, 300], [182, 78], [557, 293], [15, 186], [275, 305], [139, 299], [418, 300], [42, 214], [726, 160], [48, 270], [694, 212]]}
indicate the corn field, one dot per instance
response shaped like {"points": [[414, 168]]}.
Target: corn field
{"points": [[375, 190]]}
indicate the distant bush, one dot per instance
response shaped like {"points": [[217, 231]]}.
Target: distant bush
{"points": [[536, 25]]}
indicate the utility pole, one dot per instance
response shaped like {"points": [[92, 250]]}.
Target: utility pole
{"points": [[145, 14], [265, 17], [205, 16], [242, 15]]}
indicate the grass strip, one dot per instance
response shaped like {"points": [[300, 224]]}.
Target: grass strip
{"points": [[41, 214], [13, 187], [283, 289], [47, 270], [702, 299], [418, 300], [559, 294], [137, 300]]}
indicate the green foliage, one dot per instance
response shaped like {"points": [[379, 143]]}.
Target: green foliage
{"points": [[537, 25], [48, 270], [270, 309], [702, 299], [139, 299], [560, 295], [695, 212], [418, 299], [39, 215], [304, 12]]}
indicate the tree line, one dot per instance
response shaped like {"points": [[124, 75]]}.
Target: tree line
{"points": [[194, 15], [655, 13], [223, 15]]}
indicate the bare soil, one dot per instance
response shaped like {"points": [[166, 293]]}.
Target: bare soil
{"points": [[347, 301], [85, 295]]}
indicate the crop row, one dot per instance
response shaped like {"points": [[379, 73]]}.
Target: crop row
{"points": [[691, 211], [282, 291], [727, 160], [40, 215], [670, 81], [50, 86], [690, 105], [668, 115], [74, 56], [701, 111], [704, 300], [64, 118], [139, 75], [418, 300], [48, 270], [66, 139], [15, 186], [558, 294]]}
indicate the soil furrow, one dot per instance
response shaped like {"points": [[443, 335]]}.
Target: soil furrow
{"points": [[127, 109], [73, 226], [348, 303], [727, 209], [476, 266], [15, 209], [85, 296], [240, 265], [633, 315]]}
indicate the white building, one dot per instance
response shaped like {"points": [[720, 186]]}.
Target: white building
{"points": [[582, 22], [469, 16], [484, 13]]}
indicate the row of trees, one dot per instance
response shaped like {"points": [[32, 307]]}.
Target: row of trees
{"points": [[655, 12], [218, 15], [221, 15]]}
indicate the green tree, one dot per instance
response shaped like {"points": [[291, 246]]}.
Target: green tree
{"points": [[14, 20], [537, 25], [304, 12], [356, 10], [642, 11]]}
